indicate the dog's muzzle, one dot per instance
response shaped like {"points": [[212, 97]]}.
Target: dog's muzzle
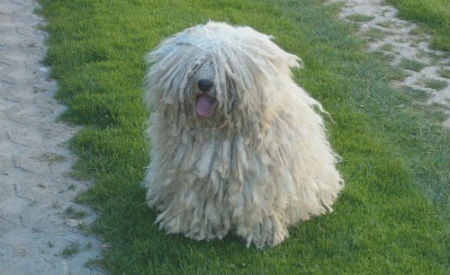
{"points": [[205, 104]]}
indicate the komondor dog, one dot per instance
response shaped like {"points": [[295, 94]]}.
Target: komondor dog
{"points": [[237, 146]]}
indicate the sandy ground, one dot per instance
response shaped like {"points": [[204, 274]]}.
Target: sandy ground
{"points": [[403, 44], [40, 225], [39, 222]]}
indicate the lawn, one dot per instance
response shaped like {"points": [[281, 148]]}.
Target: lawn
{"points": [[432, 15], [392, 217]]}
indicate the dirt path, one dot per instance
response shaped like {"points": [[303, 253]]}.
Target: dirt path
{"points": [[427, 71], [39, 222]]}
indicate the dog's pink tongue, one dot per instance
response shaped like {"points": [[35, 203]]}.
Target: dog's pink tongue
{"points": [[205, 106]]}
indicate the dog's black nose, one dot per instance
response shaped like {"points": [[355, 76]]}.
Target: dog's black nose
{"points": [[205, 84]]}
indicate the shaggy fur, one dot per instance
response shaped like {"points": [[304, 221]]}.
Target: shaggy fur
{"points": [[236, 144]]}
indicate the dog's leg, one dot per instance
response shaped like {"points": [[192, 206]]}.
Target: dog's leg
{"points": [[269, 232]]}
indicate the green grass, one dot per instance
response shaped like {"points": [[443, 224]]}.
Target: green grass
{"points": [[387, 47], [360, 17], [374, 34], [412, 65], [444, 73], [392, 217], [72, 213], [432, 15], [387, 24], [70, 250], [434, 84]]}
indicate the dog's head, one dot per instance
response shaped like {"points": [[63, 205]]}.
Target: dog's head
{"points": [[215, 74]]}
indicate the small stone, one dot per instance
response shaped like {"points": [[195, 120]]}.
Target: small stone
{"points": [[73, 222]]}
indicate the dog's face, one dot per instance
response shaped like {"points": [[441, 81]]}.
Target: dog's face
{"points": [[207, 95], [214, 75], [210, 92], [204, 91]]}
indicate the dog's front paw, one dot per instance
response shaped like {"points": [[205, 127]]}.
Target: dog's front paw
{"points": [[268, 233]]}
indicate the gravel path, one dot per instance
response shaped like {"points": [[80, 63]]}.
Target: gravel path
{"points": [[427, 71], [40, 225]]}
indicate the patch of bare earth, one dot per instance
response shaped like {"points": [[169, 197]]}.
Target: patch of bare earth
{"points": [[426, 70], [42, 229]]}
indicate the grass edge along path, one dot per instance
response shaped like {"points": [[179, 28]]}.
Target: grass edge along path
{"points": [[388, 219], [432, 15]]}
